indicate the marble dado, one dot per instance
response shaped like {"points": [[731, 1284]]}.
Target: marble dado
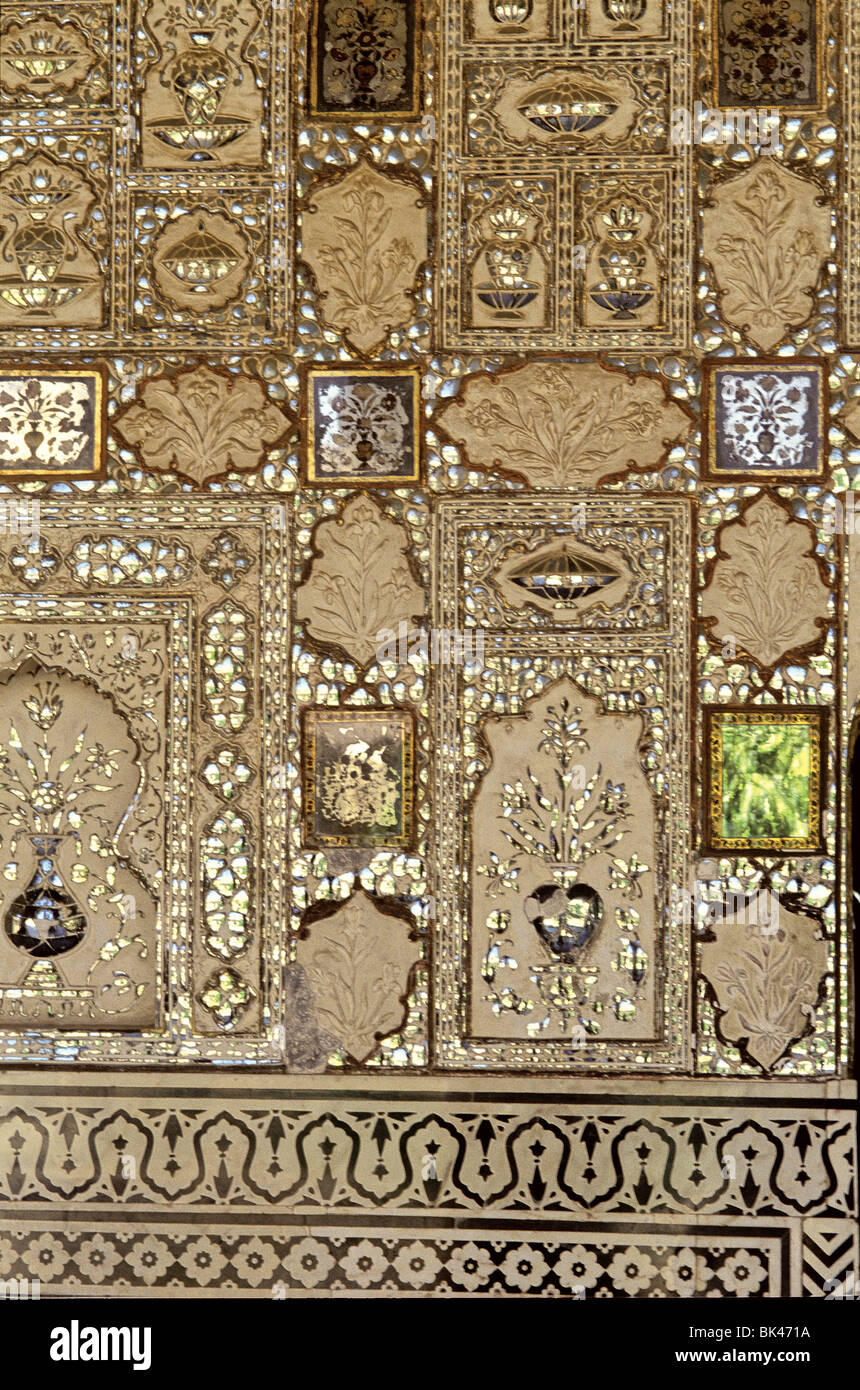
{"points": [[669, 1189]]}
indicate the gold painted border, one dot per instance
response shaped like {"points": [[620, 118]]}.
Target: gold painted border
{"points": [[786, 109], [414, 32], [754, 366]]}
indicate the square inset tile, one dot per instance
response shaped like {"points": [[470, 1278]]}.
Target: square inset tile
{"points": [[767, 53], [358, 778], [765, 418], [763, 779], [363, 426], [363, 58], [52, 422], [206, 270]]}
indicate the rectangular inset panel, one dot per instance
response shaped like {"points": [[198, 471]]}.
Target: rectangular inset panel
{"points": [[205, 76], [768, 54], [557, 159], [52, 421], [143, 791], [563, 802], [58, 58], [363, 59]]}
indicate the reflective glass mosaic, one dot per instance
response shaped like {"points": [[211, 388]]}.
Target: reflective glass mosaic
{"points": [[428, 441]]}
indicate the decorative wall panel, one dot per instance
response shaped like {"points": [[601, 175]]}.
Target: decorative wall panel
{"points": [[622, 1193], [140, 676], [429, 675], [556, 162], [573, 818]]}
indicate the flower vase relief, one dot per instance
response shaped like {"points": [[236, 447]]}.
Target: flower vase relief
{"points": [[622, 275], [78, 922], [509, 273]]}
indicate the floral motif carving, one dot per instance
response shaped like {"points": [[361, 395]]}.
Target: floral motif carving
{"points": [[365, 238], [34, 563], [767, 52], [202, 99], [360, 584], [766, 232], [363, 426], [51, 422], [226, 561], [624, 19], [70, 951], [504, 20], [49, 275], [105, 559], [765, 968], [226, 660], [43, 57], [563, 424], [227, 860], [766, 591], [509, 269], [563, 835], [358, 962], [363, 57], [200, 261], [227, 773], [765, 419], [227, 997], [202, 423], [622, 274]]}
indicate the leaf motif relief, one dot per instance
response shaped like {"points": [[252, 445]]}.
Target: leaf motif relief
{"points": [[360, 583], [766, 591], [365, 238], [202, 423], [765, 967], [766, 237], [358, 962], [563, 424]]}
